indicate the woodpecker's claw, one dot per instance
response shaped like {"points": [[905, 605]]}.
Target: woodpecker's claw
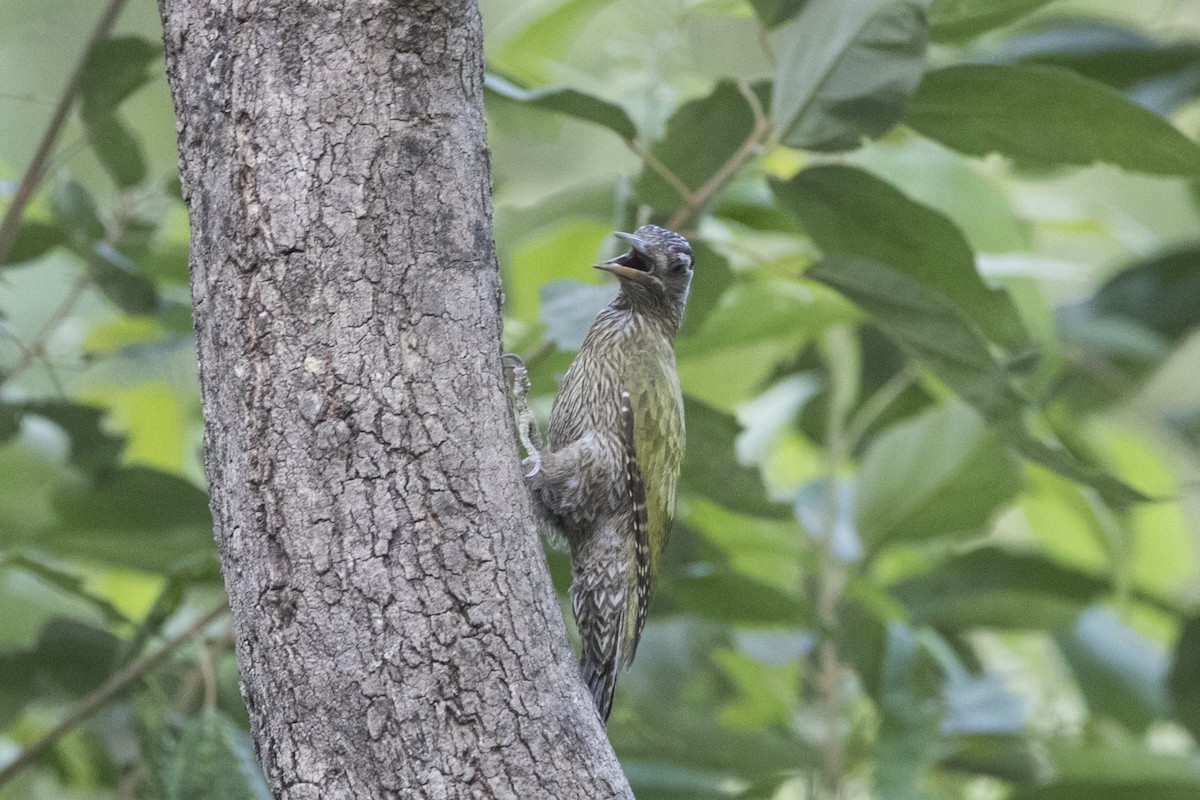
{"points": [[526, 422]]}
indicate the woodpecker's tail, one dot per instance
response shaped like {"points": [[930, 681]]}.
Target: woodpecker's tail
{"points": [[601, 680], [599, 599]]}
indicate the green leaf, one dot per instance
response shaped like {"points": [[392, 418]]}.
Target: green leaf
{"points": [[711, 469], [34, 239], [128, 291], [1182, 683], [846, 70], [1161, 293], [701, 137], [133, 516], [92, 449], [712, 277], [1156, 73], [847, 210], [76, 656], [1121, 674], [1048, 116], [131, 499], [729, 597], [66, 582], [909, 712], [568, 309], [995, 588], [119, 150], [545, 40], [933, 330], [214, 758], [75, 211], [753, 311], [115, 68], [773, 13], [941, 473], [955, 20], [571, 102], [1114, 773]]}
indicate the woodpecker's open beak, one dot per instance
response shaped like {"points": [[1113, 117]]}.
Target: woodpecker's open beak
{"points": [[630, 265]]}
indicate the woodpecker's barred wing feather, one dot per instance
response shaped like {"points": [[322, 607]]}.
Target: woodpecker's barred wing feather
{"points": [[641, 527]]}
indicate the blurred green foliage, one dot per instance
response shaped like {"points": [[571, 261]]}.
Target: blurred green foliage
{"points": [[939, 517]]}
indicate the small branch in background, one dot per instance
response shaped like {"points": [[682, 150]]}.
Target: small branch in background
{"points": [[36, 172], [686, 213], [829, 674], [36, 350], [101, 697], [685, 194], [876, 405]]}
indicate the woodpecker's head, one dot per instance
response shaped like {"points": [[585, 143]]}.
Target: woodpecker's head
{"points": [[657, 270]]}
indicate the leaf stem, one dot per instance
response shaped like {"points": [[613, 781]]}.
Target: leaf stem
{"points": [[33, 176], [98, 699]]}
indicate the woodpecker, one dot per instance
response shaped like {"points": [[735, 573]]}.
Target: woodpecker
{"points": [[606, 479]]}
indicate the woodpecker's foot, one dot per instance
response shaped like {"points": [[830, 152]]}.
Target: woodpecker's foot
{"points": [[526, 423]]}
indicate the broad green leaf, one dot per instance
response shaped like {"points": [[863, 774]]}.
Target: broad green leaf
{"points": [[119, 150], [92, 448], [909, 711], [115, 68], [1048, 116], [76, 656], [954, 20], [569, 308], [1120, 56], [942, 473], [75, 211], [114, 274], [67, 582], [922, 320], [995, 588], [1161, 293], [773, 13], [731, 598], [571, 102], [566, 249], [1182, 682], [1080, 772], [214, 758], [133, 499], [547, 39], [1009, 758], [752, 311], [34, 239], [711, 469], [847, 210], [935, 332], [711, 278], [701, 137], [1121, 674], [846, 69]]}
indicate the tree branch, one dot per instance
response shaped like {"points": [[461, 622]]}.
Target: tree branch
{"points": [[32, 178], [762, 126], [98, 699]]}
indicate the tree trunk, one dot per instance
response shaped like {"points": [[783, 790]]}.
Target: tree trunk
{"points": [[396, 629]]}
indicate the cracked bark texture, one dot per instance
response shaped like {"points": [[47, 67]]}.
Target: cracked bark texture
{"points": [[396, 630]]}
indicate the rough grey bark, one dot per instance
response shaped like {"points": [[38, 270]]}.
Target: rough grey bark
{"points": [[395, 625]]}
